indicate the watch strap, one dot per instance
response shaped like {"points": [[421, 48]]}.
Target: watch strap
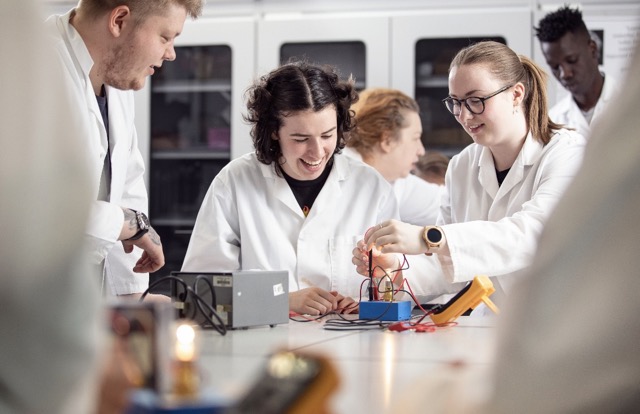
{"points": [[143, 225]]}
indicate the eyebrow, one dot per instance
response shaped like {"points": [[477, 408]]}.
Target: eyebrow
{"points": [[298, 134], [468, 94]]}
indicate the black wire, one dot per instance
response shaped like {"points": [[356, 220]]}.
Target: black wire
{"points": [[162, 279], [370, 275], [220, 326], [353, 324], [374, 323]]}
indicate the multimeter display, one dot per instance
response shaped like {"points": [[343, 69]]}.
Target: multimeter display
{"points": [[476, 291], [453, 300]]}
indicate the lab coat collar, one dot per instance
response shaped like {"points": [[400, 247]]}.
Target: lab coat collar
{"points": [[77, 44], [83, 62], [529, 154], [331, 191]]}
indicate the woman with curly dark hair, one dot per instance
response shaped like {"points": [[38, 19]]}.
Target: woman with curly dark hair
{"points": [[296, 203]]}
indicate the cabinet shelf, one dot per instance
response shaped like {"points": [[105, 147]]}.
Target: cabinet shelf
{"points": [[190, 155], [175, 222], [178, 86], [433, 82]]}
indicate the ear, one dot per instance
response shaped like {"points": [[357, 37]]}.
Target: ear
{"points": [[386, 142], [118, 19], [593, 49], [274, 136], [518, 94]]}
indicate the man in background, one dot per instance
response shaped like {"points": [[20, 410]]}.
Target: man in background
{"points": [[572, 55], [108, 50]]}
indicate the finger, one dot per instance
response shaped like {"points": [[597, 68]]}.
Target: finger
{"points": [[372, 230], [324, 304], [128, 248], [351, 307], [324, 296], [347, 305]]}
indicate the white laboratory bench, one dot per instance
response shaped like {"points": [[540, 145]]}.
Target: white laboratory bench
{"points": [[375, 367]]}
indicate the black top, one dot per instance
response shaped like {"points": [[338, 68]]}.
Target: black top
{"points": [[501, 175], [307, 191], [105, 180]]}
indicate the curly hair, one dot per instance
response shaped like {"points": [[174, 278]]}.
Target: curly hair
{"points": [[293, 87], [560, 22], [379, 112]]}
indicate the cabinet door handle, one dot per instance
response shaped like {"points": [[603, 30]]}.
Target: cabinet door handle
{"points": [[183, 232]]}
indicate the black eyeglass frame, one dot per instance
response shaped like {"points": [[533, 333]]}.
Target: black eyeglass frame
{"points": [[464, 101]]}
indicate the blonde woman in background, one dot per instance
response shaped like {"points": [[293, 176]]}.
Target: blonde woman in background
{"points": [[387, 136]]}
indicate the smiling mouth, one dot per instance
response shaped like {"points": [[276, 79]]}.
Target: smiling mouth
{"points": [[474, 128], [313, 165]]}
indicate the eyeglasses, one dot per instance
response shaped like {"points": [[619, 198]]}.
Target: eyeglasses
{"points": [[474, 104]]}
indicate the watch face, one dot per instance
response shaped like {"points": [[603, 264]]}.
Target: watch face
{"points": [[143, 221], [434, 235]]}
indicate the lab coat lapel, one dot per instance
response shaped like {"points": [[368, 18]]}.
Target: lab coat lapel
{"points": [[529, 154], [98, 143], [83, 63], [331, 191], [487, 173], [280, 189], [118, 127]]}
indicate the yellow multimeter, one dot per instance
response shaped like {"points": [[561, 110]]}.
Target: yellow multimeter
{"points": [[291, 383], [476, 291]]}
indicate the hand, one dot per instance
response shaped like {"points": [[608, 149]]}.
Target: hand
{"points": [[152, 257], [312, 301], [346, 304], [380, 262], [394, 236], [149, 297]]}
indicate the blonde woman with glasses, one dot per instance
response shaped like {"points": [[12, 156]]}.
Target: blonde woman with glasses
{"points": [[499, 190]]}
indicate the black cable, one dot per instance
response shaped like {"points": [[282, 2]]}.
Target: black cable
{"points": [[219, 326], [162, 279], [371, 275]]}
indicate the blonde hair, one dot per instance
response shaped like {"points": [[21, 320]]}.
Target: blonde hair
{"points": [[379, 113], [141, 9], [506, 65]]}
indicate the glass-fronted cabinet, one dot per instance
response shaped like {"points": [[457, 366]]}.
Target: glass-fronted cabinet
{"points": [[349, 58], [190, 140], [192, 125], [440, 130], [355, 45], [423, 45]]}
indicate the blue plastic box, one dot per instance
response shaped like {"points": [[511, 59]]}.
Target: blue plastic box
{"points": [[385, 311]]}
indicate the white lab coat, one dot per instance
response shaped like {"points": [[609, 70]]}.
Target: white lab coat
{"points": [[493, 230], [250, 219], [127, 181], [418, 200], [567, 112]]}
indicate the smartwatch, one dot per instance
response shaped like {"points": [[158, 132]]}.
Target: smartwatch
{"points": [[432, 236], [143, 225]]}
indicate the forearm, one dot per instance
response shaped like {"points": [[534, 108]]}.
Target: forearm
{"points": [[129, 225]]}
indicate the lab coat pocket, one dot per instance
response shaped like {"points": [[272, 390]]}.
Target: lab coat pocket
{"points": [[344, 277]]}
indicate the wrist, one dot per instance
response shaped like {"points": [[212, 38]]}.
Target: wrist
{"points": [[142, 225], [433, 237]]}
